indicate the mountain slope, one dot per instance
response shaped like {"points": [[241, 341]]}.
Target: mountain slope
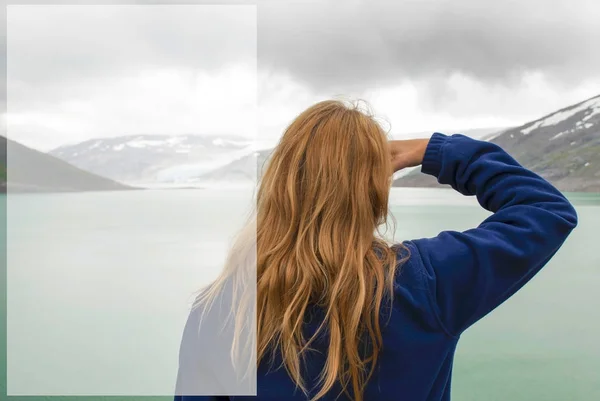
{"points": [[150, 158], [246, 169], [33, 171], [563, 147]]}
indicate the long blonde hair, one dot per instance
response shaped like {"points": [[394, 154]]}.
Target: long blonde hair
{"points": [[314, 242]]}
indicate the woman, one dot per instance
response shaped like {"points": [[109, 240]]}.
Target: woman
{"points": [[340, 313]]}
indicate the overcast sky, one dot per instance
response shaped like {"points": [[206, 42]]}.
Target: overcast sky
{"points": [[79, 72]]}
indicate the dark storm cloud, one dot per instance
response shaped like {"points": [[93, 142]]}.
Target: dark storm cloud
{"points": [[335, 44]]}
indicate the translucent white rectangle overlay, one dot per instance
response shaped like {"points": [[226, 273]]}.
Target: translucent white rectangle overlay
{"points": [[101, 278]]}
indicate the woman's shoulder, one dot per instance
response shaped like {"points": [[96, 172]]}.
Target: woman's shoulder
{"points": [[410, 271], [412, 287]]}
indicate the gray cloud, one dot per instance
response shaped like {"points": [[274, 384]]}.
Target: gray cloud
{"points": [[327, 46], [76, 71], [336, 44], [68, 43], [331, 44]]}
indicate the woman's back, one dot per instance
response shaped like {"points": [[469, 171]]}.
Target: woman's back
{"points": [[443, 285]]}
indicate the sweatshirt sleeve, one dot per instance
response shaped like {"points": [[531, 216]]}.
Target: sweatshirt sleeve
{"points": [[470, 273]]}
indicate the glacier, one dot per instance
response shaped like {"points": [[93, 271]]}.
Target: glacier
{"points": [[192, 172]]}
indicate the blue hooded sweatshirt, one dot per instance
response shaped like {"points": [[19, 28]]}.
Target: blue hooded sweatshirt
{"points": [[448, 283]]}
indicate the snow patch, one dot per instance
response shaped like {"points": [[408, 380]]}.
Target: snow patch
{"points": [[559, 135], [595, 109], [586, 164], [119, 147], [577, 128], [142, 143], [493, 136], [555, 118]]}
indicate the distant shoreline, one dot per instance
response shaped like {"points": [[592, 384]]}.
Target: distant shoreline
{"points": [[21, 188], [24, 189]]}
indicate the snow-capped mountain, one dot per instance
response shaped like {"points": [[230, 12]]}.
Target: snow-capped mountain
{"points": [[582, 114], [245, 169], [168, 161], [155, 158], [563, 147]]}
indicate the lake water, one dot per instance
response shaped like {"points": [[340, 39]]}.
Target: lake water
{"points": [[99, 284]]}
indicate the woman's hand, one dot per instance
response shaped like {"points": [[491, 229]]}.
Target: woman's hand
{"points": [[407, 153]]}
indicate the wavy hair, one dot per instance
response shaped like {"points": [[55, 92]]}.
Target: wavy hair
{"points": [[316, 242]]}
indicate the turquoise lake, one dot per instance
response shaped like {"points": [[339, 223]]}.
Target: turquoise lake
{"points": [[98, 286]]}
